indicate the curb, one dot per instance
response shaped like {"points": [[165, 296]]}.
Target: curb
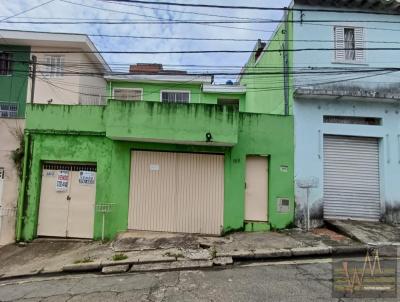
{"points": [[275, 253], [222, 259]]}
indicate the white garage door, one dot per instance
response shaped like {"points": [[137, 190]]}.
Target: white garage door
{"points": [[176, 192], [67, 201], [351, 178]]}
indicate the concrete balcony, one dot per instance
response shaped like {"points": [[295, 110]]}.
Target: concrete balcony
{"points": [[195, 124]]}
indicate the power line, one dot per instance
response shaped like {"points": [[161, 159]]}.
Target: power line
{"points": [[254, 89], [159, 18], [179, 11], [224, 39], [242, 7], [200, 22], [73, 73], [227, 39], [200, 51], [27, 10]]}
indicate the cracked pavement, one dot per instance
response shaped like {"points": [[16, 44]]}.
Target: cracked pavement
{"points": [[254, 282]]}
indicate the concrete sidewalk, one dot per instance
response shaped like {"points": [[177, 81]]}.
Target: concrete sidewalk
{"points": [[367, 232], [152, 251]]}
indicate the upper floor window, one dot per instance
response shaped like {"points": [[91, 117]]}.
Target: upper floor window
{"points": [[349, 44], [5, 63], [54, 66], [8, 110], [169, 96], [229, 102], [128, 94]]}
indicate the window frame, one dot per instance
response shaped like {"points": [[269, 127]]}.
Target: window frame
{"points": [[356, 30], [177, 91], [48, 72], [9, 73], [128, 88], [231, 102], [9, 113]]}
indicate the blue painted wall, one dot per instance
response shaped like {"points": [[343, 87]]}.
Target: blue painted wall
{"points": [[373, 32], [309, 126]]}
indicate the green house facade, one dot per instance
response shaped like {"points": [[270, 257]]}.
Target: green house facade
{"points": [[168, 152]]}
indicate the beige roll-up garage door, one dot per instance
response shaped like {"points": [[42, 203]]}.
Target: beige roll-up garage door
{"points": [[177, 192], [351, 178]]}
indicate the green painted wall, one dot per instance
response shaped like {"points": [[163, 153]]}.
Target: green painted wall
{"points": [[265, 135], [265, 92], [156, 121], [13, 88], [151, 92], [258, 134], [67, 118]]}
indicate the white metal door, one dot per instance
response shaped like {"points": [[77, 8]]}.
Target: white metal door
{"points": [[53, 207], [81, 206], [256, 201], [176, 192], [67, 201], [351, 178]]}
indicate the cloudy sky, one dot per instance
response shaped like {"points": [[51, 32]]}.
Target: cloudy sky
{"points": [[94, 10]]}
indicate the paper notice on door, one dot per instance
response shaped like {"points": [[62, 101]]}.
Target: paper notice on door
{"points": [[154, 167], [87, 177], [62, 181]]}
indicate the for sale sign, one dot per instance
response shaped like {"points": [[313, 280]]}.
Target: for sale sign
{"points": [[62, 181], [87, 177]]}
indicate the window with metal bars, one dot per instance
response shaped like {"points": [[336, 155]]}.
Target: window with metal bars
{"points": [[8, 110], [175, 96], [234, 103], [127, 94], [54, 66]]}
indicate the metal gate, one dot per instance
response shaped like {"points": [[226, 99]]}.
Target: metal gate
{"points": [[176, 192], [351, 178], [67, 201]]}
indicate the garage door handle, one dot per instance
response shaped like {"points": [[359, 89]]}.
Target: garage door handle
{"points": [[68, 198]]}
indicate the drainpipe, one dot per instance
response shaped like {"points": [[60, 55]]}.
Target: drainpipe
{"points": [[21, 195], [34, 63], [286, 63]]}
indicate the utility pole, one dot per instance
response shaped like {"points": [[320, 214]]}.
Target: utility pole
{"points": [[286, 64], [33, 76]]}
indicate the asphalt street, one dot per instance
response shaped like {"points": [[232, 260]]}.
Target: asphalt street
{"points": [[285, 281]]}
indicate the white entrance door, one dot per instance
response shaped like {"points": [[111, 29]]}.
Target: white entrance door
{"points": [[256, 201], [176, 192], [67, 201], [351, 178]]}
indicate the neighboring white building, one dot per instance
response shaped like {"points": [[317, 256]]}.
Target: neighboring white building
{"points": [[62, 77]]}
